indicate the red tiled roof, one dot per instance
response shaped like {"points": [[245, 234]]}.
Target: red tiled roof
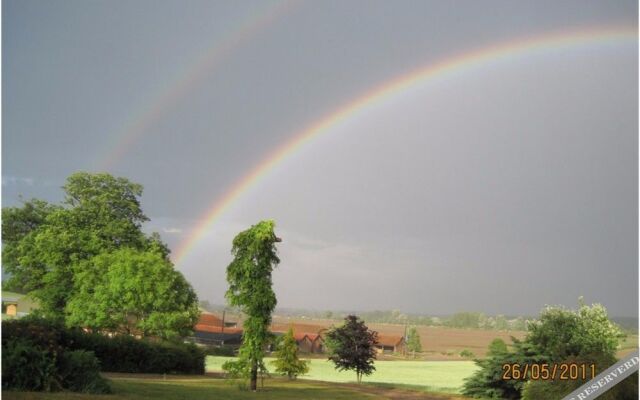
{"points": [[389, 340], [313, 336], [215, 329], [297, 327], [299, 336], [209, 319]]}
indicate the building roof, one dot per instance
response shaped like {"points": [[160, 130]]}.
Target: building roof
{"points": [[207, 318], [313, 336], [215, 329], [389, 340], [299, 336], [12, 297], [227, 338]]}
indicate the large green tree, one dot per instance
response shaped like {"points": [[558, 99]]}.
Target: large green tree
{"points": [[352, 347], [57, 252], [139, 293], [250, 289]]}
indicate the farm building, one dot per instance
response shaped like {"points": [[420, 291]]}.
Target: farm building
{"points": [[390, 344], [212, 330], [210, 319], [317, 342], [216, 336], [307, 342]]}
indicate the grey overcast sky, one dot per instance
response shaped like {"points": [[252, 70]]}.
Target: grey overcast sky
{"points": [[499, 188]]}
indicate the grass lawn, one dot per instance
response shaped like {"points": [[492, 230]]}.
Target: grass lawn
{"points": [[140, 387], [437, 376]]}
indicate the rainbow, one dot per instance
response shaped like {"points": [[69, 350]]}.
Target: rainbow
{"points": [[394, 87], [187, 79]]}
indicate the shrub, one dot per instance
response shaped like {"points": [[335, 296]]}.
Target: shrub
{"points": [[116, 354], [224, 351], [128, 354], [487, 381], [558, 389], [26, 366], [80, 370], [467, 353], [29, 365]]}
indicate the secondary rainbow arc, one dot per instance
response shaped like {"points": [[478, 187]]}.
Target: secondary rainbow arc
{"points": [[397, 86], [186, 80]]}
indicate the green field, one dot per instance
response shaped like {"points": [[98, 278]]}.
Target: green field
{"points": [[143, 388], [437, 376]]}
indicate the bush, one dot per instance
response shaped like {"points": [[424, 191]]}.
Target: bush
{"points": [[487, 382], [467, 354], [116, 354], [80, 370], [558, 389], [128, 354], [26, 366], [223, 351]]}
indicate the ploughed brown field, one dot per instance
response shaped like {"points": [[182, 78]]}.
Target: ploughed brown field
{"points": [[438, 343]]}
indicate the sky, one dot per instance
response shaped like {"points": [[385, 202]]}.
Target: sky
{"points": [[501, 186]]}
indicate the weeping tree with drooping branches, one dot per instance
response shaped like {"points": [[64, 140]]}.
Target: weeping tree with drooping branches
{"points": [[250, 289]]}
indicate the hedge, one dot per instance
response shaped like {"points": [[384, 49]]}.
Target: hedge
{"points": [[116, 354]]}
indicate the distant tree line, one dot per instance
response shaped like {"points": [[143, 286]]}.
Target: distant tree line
{"points": [[470, 320]]}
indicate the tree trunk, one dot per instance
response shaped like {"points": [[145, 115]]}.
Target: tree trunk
{"points": [[254, 376]]}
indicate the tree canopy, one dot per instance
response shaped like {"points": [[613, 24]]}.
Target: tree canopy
{"points": [[88, 262], [352, 347], [138, 292], [250, 288]]}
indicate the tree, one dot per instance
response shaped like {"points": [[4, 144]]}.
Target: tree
{"points": [[464, 320], [138, 293], [497, 347], [352, 347], [413, 341], [487, 382], [559, 335], [250, 289], [91, 245], [501, 323], [19, 225], [287, 361]]}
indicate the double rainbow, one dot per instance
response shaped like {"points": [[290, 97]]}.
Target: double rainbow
{"points": [[395, 87]]}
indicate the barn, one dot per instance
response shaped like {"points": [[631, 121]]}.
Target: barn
{"points": [[390, 344], [305, 344], [214, 331], [216, 336]]}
